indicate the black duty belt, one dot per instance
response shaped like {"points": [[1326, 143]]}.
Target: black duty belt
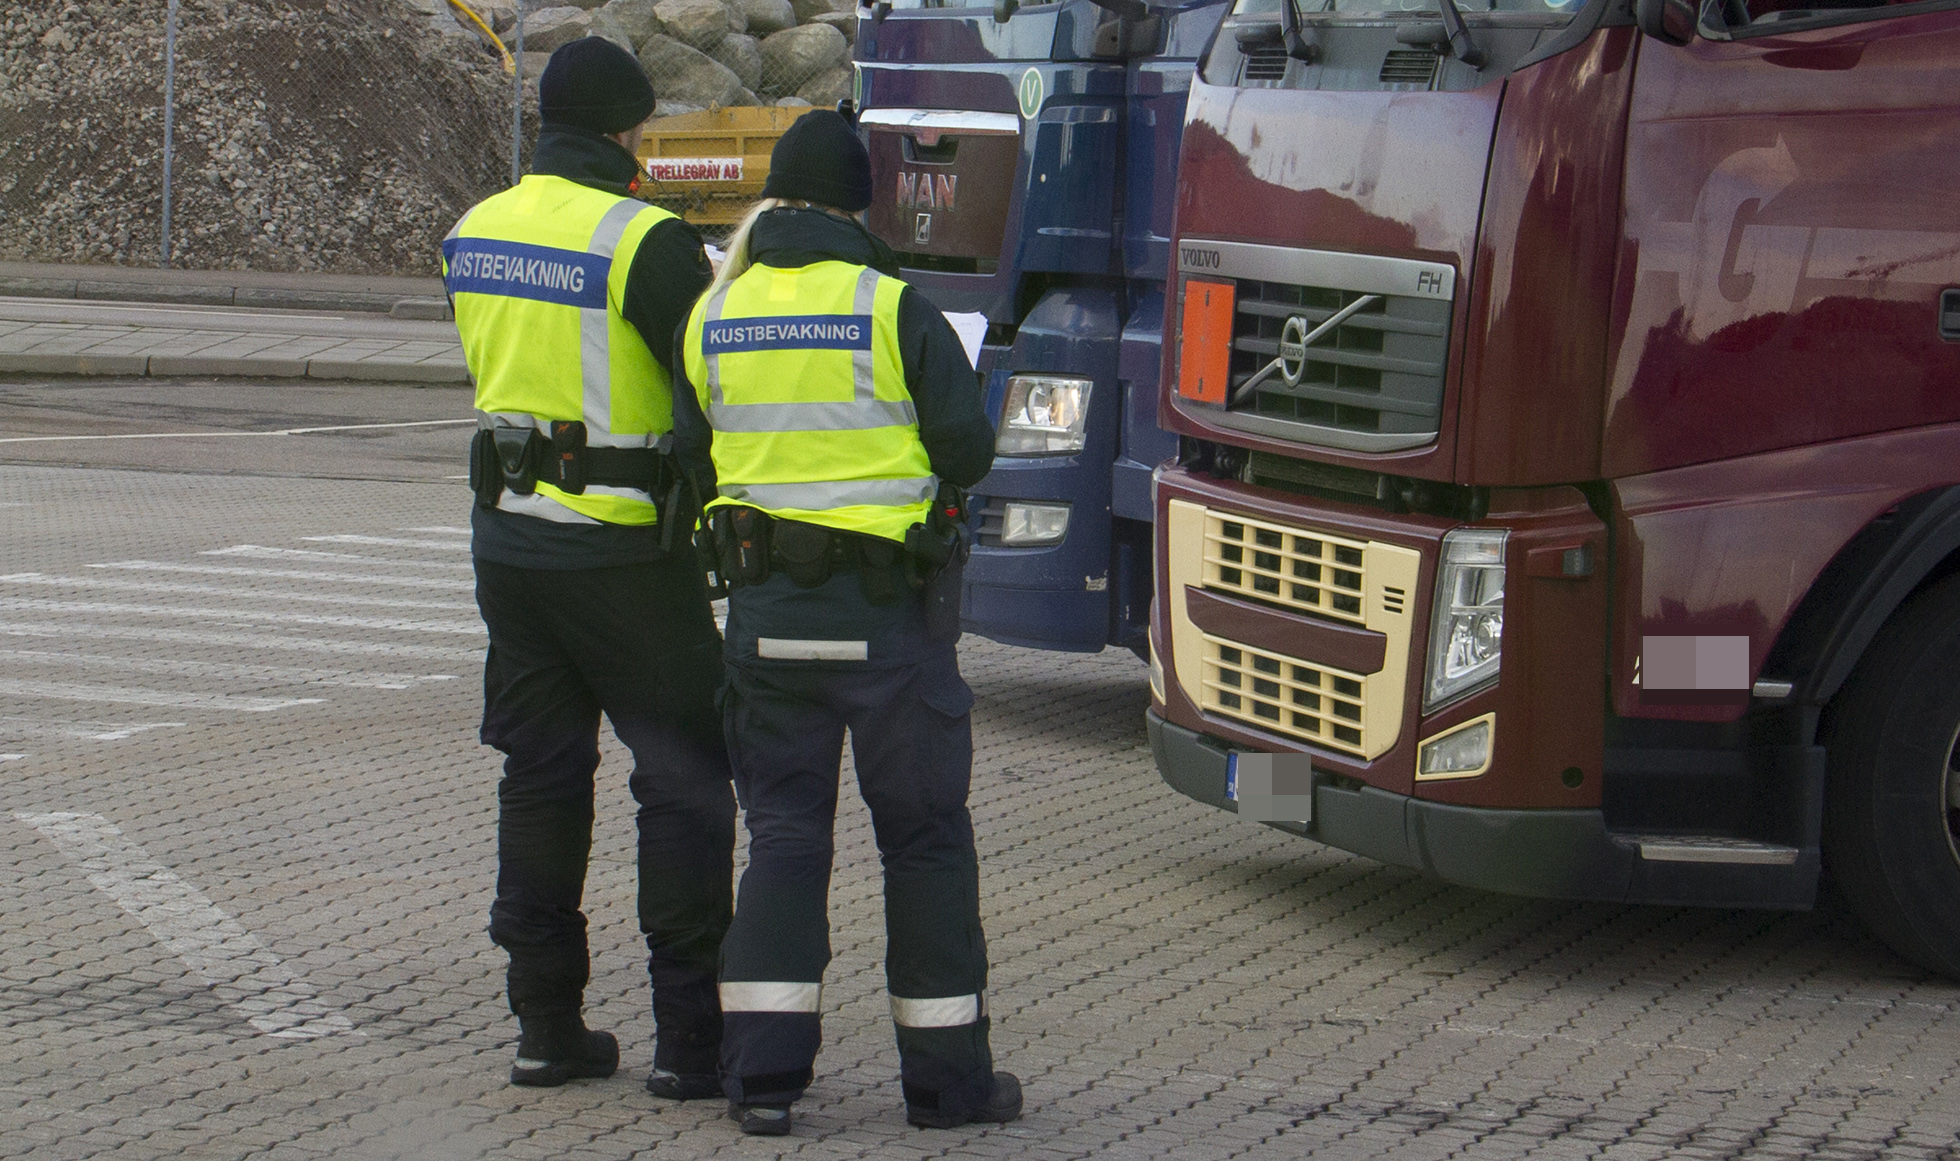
{"points": [[520, 458]]}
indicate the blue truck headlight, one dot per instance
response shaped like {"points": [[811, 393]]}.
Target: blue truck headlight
{"points": [[1025, 525], [1466, 626], [1045, 415]]}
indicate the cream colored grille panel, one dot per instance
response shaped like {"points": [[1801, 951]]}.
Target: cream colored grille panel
{"points": [[1292, 567], [1288, 696]]}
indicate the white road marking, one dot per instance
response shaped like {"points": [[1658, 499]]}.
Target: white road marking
{"points": [[122, 695], [261, 552], [229, 434], [69, 629], [12, 757], [418, 582], [389, 541], [76, 582], [439, 528], [221, 616], [217, 948], [92, 731], [355, 679]]}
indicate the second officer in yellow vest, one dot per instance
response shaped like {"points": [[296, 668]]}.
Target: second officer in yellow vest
{"points": [[567, 293], [834, 401]]}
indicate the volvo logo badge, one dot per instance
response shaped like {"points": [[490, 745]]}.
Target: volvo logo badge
{"points": [[1293, 350]]}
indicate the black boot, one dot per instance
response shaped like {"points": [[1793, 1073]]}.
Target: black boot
{"points": [[761, 1120], [1002, 1105], [554, 1049], [683, 1086]]}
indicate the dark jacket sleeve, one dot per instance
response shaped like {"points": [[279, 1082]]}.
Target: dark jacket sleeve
{"points": [[693, 438], [670, 270], [945, 390]]}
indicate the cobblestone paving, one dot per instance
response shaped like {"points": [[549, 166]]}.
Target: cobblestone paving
{"points": [[246, 853]]}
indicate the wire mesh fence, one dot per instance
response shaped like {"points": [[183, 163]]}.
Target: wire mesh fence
{"points": [[337, 135]]}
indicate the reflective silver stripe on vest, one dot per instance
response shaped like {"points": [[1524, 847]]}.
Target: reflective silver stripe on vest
{"points": [[857, 415], [861, 304], [945, 1012], [712, 314], [662, 442], [743, 996], [595, 338], [822, 495], [456, 231]]}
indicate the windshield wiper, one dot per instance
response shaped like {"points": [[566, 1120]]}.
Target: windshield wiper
{"points": [[1458, 34]]}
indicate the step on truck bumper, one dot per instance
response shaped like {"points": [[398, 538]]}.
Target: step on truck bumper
{"points": [[1555, 854]]}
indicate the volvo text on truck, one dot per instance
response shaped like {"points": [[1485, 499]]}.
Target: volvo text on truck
{"points": [[1568, 499], [1022, 161]]}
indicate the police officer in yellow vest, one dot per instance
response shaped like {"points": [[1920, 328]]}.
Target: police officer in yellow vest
{"points": [[834, 402], [568, 293]]}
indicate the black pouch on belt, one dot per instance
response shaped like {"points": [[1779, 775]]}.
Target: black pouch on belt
{"points": [[742, 543], [486, 475], [518, 451], [567, 471], [942, 592], [804, 550], [878, 578]]}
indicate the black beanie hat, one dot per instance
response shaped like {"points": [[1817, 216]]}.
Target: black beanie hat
{"points": [[820, 159], [594, 84]]}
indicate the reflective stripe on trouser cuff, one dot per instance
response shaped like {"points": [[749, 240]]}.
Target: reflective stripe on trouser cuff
{"points": [[821, 495], [944, 1012], [745, 996], [780, 649]]}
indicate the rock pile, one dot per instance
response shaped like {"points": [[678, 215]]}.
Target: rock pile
{"points": [[708, 53], [331, 135]]}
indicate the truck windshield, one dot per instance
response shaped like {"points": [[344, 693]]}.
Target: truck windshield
{"points": [[1472, 9]]}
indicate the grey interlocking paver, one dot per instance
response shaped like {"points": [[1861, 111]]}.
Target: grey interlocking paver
{"points": [[1169, 982]]}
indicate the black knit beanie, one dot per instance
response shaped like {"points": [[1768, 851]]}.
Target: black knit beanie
{"points": [[820, 159], [594, 84]]}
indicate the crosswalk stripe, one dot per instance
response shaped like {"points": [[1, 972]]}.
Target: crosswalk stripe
{"points": [[416, 582], [217, 948], [259, 551], [121, 695], [388, 542], [71, 582], [92, 731], [70, 629], [230, 670], [389, 624]]}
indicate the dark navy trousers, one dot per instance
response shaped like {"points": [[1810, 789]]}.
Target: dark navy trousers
{"points": [[638, 644], [912, 741]]}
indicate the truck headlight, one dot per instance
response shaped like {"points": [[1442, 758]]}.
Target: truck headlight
{"points": [[1026, 525], [1466, 627], [1045, 415]]}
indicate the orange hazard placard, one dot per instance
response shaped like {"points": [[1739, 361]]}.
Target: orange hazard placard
{"points": [[1204, 363]]}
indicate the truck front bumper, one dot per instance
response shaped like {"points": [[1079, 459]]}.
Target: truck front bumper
{"points": [[1554, 854]]}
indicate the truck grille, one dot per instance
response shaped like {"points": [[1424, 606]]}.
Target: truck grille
{"points": [[1380, 372], [1409, 66], [1265, 63], [1304, 571], [1283, 694], [1298, 573]]}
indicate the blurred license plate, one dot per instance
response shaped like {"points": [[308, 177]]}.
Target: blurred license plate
{"points": [[1270, 787]]}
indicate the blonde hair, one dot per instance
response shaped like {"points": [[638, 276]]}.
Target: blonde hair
{"points": [[736, 258]]}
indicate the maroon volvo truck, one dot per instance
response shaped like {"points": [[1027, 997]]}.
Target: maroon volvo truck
{"points": [[1568, 497]]}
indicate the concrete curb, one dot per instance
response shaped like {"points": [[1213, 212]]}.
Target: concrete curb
{"points": [[397, 297], [169, 365]]}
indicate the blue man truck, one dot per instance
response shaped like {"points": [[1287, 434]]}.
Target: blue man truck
{"points": [[1023, 164]]}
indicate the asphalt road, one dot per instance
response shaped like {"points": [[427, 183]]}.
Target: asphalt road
{"points": [[247, 845]]}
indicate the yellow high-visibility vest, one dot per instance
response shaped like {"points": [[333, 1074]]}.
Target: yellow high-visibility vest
{"points": [[538, 276], [800, 376]]}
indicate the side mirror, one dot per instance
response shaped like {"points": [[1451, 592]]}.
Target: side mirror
{"points": [[1669, 21], [1004, 10]]}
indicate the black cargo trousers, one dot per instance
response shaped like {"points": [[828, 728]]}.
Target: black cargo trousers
{"points": [[912, 741], [637, 643]]}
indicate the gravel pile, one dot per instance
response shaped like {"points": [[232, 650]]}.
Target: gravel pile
{"points": [[342, 136]]}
